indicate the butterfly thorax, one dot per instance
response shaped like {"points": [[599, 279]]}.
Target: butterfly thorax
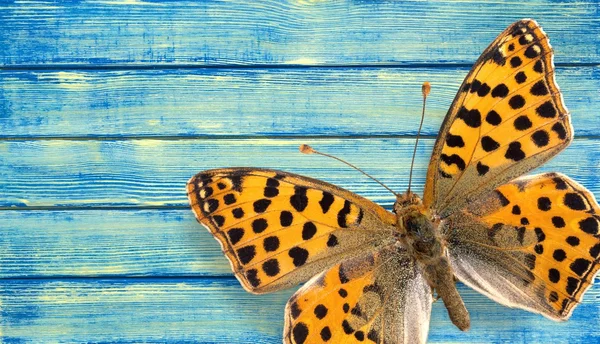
{"points": [[417, 229], [419, 234]]}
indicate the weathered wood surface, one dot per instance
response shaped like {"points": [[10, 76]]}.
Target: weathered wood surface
{"points": [[151, 173], [219, 311], [249, 102], [108, 107], [272, 32]]}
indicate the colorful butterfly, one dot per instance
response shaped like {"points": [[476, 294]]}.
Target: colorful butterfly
{"points": [[531, 242]]}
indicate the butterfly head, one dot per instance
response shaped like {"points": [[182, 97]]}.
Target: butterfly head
{"points": [[406, 203]]}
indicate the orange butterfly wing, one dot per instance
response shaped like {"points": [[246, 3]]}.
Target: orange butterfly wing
{"points": [[507, 118], [279, 229], [533, 243]]}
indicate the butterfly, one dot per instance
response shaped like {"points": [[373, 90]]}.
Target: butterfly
{"points": [[530, 242]]}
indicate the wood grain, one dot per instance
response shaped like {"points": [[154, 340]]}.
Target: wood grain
{"points": [[122, 32], [248, 102], [107, 107], [185, 310], [146, 172], [86, 243]]}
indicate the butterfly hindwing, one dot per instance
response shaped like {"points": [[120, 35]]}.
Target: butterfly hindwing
{"points": [[533, 243], [377, 297], [507, 118], [278, 229]]}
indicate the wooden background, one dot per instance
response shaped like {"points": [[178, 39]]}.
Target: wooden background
{"points": [[108, 107]]}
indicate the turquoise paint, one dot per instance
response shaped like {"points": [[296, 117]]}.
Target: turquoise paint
{"points": [[107, 108]]}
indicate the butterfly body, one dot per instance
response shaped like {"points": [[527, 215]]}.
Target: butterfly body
{"points": [[530, 242], [421, 236]]}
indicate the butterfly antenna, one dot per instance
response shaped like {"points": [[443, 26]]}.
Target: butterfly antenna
{"points": [[306, 149], [426, 88]]}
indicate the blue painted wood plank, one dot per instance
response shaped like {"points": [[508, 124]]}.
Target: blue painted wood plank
{"points": [[248, 102], [279, 32], [220, 311], [154, 172], [87, 243]]}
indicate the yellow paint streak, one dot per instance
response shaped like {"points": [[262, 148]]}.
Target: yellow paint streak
{"points": [[67, 80]]}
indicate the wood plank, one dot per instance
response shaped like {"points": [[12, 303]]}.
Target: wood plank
{"points": [[273, 32], [232, 102], [134, 173], [219, 311], [84, 243]]}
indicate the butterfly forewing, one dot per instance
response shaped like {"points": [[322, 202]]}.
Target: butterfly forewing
{"points": [[507, 118], [377, 297], [533, 243], [278, 229]]}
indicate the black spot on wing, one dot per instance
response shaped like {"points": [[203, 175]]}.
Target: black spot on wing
{"points": [[546, 110], [235, 235], [559, 255], [308, 230], [332, 241], [558, 222], [453, 159], [482, 169], [540, 138], [560, 183], [326, 201], [454, 140], [532, 51], [320, 311], [286, 218], [522, 123], [299, 255], [493, 118], [246, 254], [572, 285], [539, 233], [538, 67], [325, 333], [236, 183], [500, 91], [560, 130], [515, 61], [295, 310], [520, 77], [514, 152], [346, 326], [589, 225], [472, 118], [252, 277], [539, 89], [259, 225], [516, 102], [489, 144], [341, 216], [299, 200], [544, 203], [261, 205], [574, 201], [572, 240], [238, 213], [271, 244], [229, 199], [300, 333], [271, 267], [553, 275]]}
